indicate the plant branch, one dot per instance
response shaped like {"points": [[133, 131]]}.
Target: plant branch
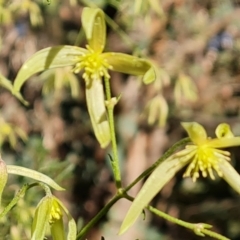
{"points": [[103, 212], [115, 161], [167, 154]]}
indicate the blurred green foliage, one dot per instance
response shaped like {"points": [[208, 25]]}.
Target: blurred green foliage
{"points": [[195, 46]]}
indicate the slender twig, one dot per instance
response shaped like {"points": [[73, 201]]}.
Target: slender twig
{"points": [[94, 220], [167, 154], [114, 160], [20, 194]]}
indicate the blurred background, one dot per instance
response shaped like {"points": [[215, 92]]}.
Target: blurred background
{"points": [[195, 48]]}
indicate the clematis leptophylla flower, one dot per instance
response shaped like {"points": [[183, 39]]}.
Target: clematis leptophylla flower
{"points": [[95, 65], [203, 155], [206, 155], [49, 213]]}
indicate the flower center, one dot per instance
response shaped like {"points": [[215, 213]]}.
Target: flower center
{"points": [[205, 160], [94, 66], [55, 213]]}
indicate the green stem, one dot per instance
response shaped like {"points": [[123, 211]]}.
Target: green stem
{"points": [[167, 154], [20, 194], [198, 228], [115, 160], [103, 212]]}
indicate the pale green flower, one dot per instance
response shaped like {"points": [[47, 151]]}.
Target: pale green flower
{"points": [[49, 213], [95, 65], [204, 155]]}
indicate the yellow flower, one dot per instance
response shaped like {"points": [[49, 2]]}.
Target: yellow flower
{"points": [[95, 65], [49, 213], [205, 154]]}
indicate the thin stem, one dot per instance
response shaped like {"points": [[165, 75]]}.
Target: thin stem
{"points": [[167, 154], [20, 194], [198, 228], [115, 160], [103, 212]]}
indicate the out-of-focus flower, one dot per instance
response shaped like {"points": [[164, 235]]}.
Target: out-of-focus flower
{"points": [[49, 213], [157, 111], [185, 90], [94, 63], [11, 133], [30, 7]]}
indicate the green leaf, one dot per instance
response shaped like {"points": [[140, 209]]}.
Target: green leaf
{"points": [[47, 58], [26, 172], [125, 63], [41, 218], [94, 26], [97, 111], [159, 177]]}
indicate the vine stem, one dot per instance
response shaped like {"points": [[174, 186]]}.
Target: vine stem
{"points": [[94, 220], [115, 160]]}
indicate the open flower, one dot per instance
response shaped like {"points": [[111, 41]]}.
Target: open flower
{"points": [[95, 66], [203, 155], [49, 213]]}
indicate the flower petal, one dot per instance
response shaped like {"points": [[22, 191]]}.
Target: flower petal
{"points": [[230, 175], [195, 131], [57, 230], [40, 220], [223, 130], [72, 228], [26, 172], [3, 177], [125, 63], [224, 142], [97, 111], [8, 85], [94, 26], [159, 177], [47, 58]]}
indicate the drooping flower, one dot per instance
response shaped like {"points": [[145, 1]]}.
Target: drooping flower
{"points": [[49, 213], [204, 155], [95, 65]]}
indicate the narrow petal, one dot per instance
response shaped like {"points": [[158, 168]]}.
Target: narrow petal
{"points": [[223, 130], [125, 63], [72, 228], [40, 220], [97, 111], [224, 142], [26, 172], [195, 131], [94, 26], [159, 177], [230, 175], [8, 85], [47, 58], [3, 177], [57, 230]]}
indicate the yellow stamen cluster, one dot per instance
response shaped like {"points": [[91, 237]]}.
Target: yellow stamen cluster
{"points": [[55, 213], [93, 64], [203, 159]]}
